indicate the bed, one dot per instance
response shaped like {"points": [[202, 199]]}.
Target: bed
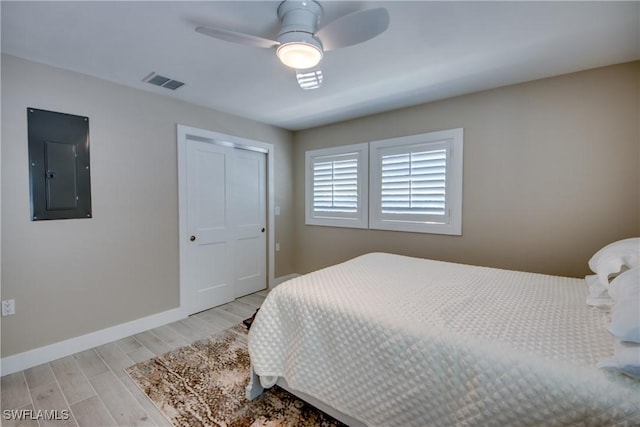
{"points": [[390, 340]]}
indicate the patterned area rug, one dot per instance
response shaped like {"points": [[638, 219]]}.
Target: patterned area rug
{"points": [[204, 385]]}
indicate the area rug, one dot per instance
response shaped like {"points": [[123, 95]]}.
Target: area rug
{"points": [[203, 384]]}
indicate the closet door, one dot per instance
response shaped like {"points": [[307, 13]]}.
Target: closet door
{"points": [[250, 218], [226, 216]]}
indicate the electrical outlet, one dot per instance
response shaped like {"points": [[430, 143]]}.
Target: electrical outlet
{"points": [[277, 247], [8, 307]]}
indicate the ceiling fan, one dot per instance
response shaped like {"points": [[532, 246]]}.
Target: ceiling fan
{"points": [[300, 44]]}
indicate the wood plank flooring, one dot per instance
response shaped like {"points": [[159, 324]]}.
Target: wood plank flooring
{"points": [[92, 386]]}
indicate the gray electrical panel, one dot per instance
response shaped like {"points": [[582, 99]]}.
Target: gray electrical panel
{"points": [[59, 172]]}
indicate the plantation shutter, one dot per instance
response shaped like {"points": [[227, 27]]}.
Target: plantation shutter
{"points": [[414, 183], [411, 184], [335, 186]]}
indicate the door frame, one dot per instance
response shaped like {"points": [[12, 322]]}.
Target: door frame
{"points": [[185, 133]]}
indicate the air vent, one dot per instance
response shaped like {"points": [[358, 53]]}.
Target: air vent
{"points": [[162, 81]]}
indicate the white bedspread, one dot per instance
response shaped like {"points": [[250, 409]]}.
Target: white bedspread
{"points": [[399, 341]]}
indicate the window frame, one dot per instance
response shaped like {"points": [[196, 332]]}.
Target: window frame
{"points": [[452, 139], [361, 216]]}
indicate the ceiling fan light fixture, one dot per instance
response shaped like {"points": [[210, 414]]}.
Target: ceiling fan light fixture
{"points": [[299, 55], [299, 50], [300, 45]]}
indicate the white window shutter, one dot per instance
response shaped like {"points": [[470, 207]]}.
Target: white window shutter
{"points": [[416, 183], [336, 186]]}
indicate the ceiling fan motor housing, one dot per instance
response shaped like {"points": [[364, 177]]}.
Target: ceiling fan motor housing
{"points": [[299, 16], [299, 48]]}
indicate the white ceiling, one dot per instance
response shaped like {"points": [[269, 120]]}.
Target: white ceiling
{"points": [[432, 50]]}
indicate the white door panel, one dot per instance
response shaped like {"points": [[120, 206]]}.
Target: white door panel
{"points": [[250, 220], [226, 221], [210, 278]]}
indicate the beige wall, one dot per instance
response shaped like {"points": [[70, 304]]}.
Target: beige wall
{"points": [[551, 174], [71, 277]]}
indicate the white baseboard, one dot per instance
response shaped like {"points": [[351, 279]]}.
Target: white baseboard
{"points": [[282, 279], [38, 356]]}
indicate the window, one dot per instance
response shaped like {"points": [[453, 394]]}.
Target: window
{"points": [[412, 183], [416, 183], [336, 186]]}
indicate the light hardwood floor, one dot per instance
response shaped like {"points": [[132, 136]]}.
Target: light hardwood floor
{"points": [[93, 386]]}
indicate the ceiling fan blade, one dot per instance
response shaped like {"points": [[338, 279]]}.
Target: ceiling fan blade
{"points": [[354, 28], [241, 38], [309, 79]]}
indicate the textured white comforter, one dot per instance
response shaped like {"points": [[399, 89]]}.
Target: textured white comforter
{"points": [[398, 341]]}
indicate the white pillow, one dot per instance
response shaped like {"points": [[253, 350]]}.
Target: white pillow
{"points": [[598, 293], [625, 359], [614, 256], [625, 315]]}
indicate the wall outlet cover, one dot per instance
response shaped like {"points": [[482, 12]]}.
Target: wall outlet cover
{"points": [[8, 307]]}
